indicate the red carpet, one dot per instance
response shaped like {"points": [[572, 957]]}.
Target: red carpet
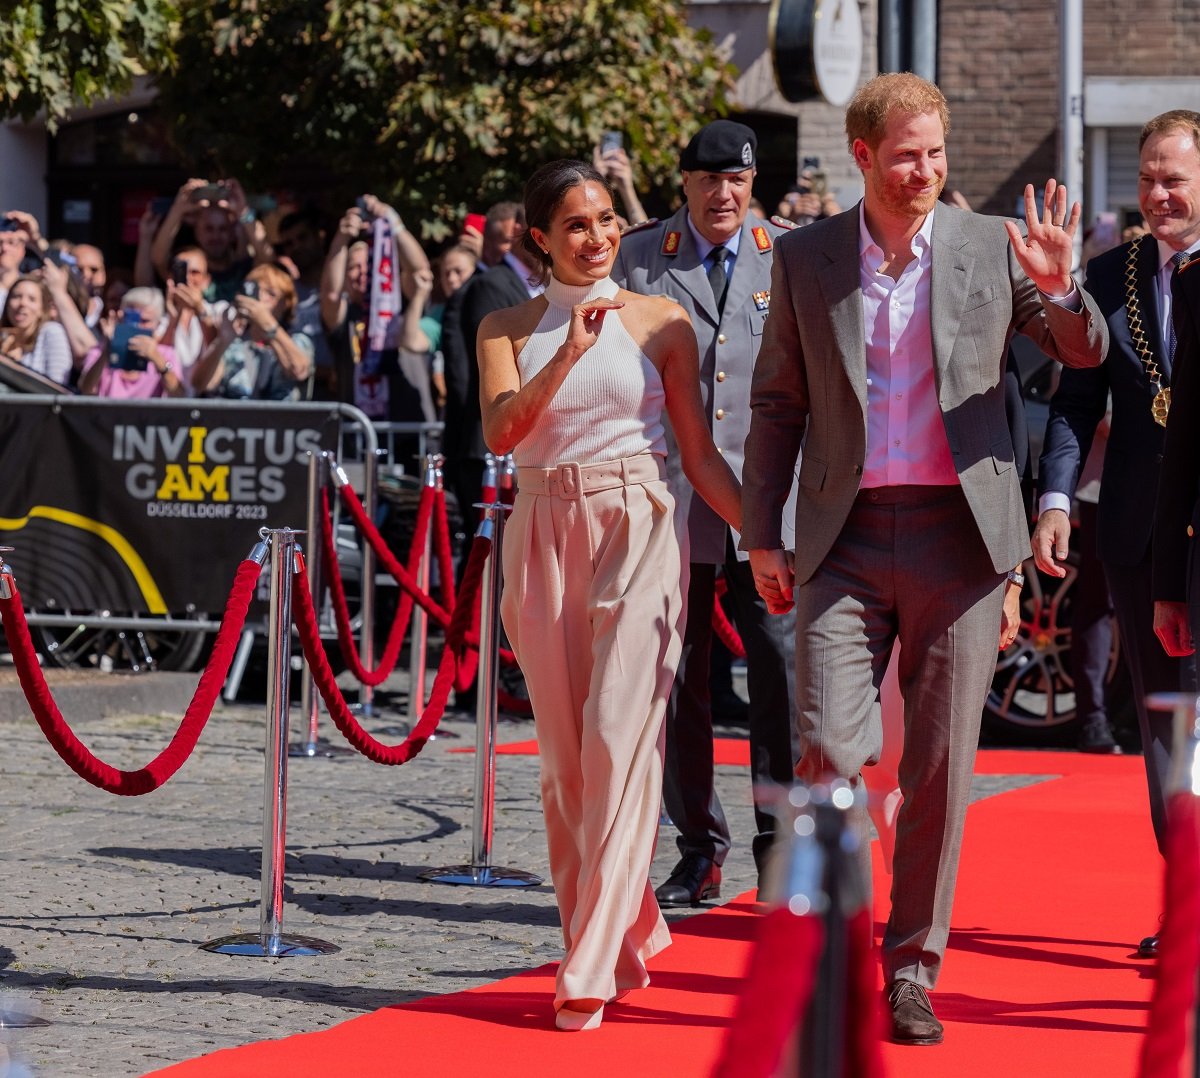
{"points": [[1057, 881]]}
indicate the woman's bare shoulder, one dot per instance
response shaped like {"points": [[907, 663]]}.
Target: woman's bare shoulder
{"points": [[513, 322], [653, 313]]}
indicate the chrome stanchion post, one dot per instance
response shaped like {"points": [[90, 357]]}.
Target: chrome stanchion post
{"points": [[311, 746], [419, 639], [481, 872], [366, 694], [815, 872], [270, 940]]}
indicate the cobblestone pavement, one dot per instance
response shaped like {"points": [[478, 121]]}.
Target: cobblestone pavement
{"points": [[105, 900]]}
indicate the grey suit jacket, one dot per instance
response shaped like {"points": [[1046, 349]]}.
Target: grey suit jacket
{"points": [[728, 346], [810, 384]]}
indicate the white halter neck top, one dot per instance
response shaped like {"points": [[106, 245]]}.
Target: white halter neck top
{"points": [[610, 404]]}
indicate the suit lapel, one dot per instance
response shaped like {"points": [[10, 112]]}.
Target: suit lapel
{"points": [[948, 287], [689, 271], [841, 286]]}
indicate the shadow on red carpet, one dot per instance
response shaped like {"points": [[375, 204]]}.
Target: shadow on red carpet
{"points": [[1057, 882]]}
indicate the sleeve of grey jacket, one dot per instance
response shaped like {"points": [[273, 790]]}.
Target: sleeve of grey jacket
{"points": [[778, 417]]}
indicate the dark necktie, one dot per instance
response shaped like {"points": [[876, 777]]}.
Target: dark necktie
{"points": [[1177, 260], [717, 277]]}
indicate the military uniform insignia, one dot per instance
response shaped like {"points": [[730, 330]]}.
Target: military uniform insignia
{"points": [[761, 238], [762, 300], [670, 245], [783, 222], [648, 223]]}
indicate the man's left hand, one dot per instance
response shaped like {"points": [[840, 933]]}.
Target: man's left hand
{"points": [[1047, 249]]}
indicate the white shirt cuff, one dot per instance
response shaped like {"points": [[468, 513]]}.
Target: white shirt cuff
{"points": [[1072, 301], [1054, 499]]}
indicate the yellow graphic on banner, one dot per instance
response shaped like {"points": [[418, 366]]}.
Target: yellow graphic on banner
{"points": [[145, 582]]}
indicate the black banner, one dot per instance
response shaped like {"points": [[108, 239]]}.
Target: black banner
{"points": [[147, 508]]}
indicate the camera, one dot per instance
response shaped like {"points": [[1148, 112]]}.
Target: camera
{"points": [[361, 203], [212, 193], [179, 271], [611, 140], [7, 224], [812, 178]]}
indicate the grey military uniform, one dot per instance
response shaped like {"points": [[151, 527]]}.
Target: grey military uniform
{"points": [[728, 344]]}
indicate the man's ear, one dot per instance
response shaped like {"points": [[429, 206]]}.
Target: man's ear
{"points": [[862, 154]]}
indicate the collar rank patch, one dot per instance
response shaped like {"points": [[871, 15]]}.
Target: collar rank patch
{"points": [[762, 300], [761, 239], [671, 243]]}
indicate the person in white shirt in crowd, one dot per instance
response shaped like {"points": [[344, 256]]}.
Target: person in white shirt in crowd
{"points": [[89, 261]]}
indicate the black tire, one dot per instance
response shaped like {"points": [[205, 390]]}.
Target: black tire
{"points": [[120, 650], [1032, 698]]}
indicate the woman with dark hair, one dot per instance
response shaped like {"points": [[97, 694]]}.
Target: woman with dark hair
{"points": [[575, 383]]}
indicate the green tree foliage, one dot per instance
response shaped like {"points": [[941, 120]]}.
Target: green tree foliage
{"points": [[54, 55], [439, 106]]}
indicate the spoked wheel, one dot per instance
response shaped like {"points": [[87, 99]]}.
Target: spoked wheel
{"points": [[1033, 692], [136, 651]]}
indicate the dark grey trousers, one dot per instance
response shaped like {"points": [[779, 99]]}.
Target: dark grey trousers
{"points": [[910, 565]]}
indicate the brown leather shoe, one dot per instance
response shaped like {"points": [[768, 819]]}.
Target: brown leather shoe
{"points": [[913, 1020]]}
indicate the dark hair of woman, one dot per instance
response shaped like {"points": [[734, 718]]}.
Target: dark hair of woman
{"points": [[544, 193]]}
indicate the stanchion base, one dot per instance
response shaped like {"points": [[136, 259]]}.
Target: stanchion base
{"points": [[319, 748], [481, 876], [256, 945], [20, 1020]]}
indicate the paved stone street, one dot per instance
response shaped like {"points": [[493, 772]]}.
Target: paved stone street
{"points": [[105, 900]]}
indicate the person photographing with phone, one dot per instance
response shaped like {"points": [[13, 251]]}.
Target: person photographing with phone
{"points": [[253, 357], [134, 365], [612, 162]]}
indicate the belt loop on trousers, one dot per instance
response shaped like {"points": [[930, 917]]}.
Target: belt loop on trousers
{"points": [[570, 481]]}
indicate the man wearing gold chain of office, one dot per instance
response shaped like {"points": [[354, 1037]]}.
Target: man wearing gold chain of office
{"points": [[1132, 286]]}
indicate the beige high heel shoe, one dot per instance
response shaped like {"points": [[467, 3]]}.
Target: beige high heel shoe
{"points": [[572, 1021]]}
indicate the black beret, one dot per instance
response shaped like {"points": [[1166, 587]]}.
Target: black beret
{"points": [[721, 146]]}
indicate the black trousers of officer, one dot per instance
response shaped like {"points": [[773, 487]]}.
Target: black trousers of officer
{"points": [[1151, 670], [770, 641]]}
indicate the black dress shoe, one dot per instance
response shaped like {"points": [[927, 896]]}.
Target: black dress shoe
{"points": [[695, 878], [1148, 948], [913, 1020], [1097, 738]]}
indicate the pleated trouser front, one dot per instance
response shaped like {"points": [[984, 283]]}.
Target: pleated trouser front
{"points": [[592, 607]]}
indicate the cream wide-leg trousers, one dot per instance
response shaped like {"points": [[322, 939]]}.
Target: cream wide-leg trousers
{"points": [[592, 607]]}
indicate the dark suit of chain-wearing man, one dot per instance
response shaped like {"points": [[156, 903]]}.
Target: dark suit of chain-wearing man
{"points": [[1132, 285], [728, 306], [885, 356], [1177, 514]]}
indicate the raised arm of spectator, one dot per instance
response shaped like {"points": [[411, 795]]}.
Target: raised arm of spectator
{"points": [[164, 239], [333, 273], [408, 250], [412, 337], [29, 225], [615, 165], [79, 335], [207, 370], [143, 259]]}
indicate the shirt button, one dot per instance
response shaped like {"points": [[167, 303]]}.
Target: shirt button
{"points": [[899, 396], [720, 338], [720, 413], [896, 442], [720, 376]]}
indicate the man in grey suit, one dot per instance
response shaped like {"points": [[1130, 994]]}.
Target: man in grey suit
{"points": [[717, 265], [885, 354]]}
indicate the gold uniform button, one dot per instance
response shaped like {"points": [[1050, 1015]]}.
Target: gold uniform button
{"points": [[720, 376], [720, 413], [721, 338]]}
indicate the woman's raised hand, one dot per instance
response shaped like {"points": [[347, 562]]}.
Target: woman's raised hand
{"points": [[587, 319]]}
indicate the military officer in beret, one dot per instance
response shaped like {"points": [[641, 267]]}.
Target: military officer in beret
{"points": [[717, 265]]}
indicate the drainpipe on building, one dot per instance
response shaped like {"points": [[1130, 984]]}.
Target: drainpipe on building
{"points": [[923, 46], [1070, 113]]}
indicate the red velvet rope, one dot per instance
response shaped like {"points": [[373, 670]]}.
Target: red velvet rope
{"points": [[1171, 1013], [724, 629], [76, 755], [310, 640], [337, 592], [775, 994], [441, 548]]}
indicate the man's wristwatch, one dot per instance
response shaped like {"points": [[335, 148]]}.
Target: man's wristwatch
{"points": [[1016, 577]]}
